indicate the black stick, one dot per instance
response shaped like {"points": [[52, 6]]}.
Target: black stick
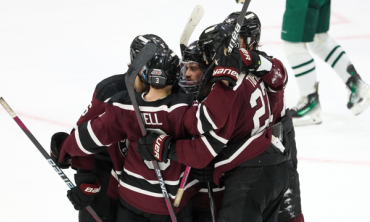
{"points": [[44, 153], [235, 35], [212, 202], [142, 58]]}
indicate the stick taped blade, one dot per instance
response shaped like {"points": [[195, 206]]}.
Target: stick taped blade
{"points": [[193, 21]]}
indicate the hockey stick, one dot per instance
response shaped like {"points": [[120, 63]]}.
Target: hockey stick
{"points": [[44, 153], [181, 189], [192, 23], [142, 58], [212, 202], [235, 35]]}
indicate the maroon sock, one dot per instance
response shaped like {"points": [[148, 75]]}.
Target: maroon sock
{"points": [[296, 219]]}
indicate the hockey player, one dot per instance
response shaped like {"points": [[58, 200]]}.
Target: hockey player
{"points": [[140, 194], [250, 33], [192, 68], [256, 174], [305, 28], [99, 166]]}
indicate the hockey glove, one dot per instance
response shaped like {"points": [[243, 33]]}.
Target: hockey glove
{"points": [[56, 140], [257, 62], [227, 67], [154, 146], [205, 174], [84, 193]]}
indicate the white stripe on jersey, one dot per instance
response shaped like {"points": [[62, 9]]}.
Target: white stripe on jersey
{"points": [[77, 137], [168, 182], [241, 149], [92, 134], [208, 117], [205, 141], [114, 174], [145, 192], [199, 122], [239, 82], [151, 108], [205, 190], [219, 138]]}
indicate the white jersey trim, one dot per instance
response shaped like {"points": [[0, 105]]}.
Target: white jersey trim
{"points": [[205, 141], [208, 117], [219, 138], [168, 182], [92, 134], [78, 141], [199, 122], [151, 108], [145, 192], [205, 190], [241, 149]]}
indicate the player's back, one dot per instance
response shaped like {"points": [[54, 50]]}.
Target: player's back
{"points": [[139, 185], [251, 117]]}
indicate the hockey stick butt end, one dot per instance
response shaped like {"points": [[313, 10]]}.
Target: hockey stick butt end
{"points": [[178, 198]]}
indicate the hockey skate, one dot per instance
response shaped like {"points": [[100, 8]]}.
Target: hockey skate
{"points": [[359, 92], [308, 110]]}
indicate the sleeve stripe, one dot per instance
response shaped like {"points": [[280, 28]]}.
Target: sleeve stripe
{"points": [[239, 82], [92, 134], [114, 174], [241, 149], [208, 145], [199, 122], [77, 136], [222, 140], [208, 117]]}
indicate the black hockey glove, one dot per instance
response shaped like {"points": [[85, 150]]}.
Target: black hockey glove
{"points": [[227, 67], [205, 174], [256, 62], [84, 193], [154, 146], [56, 140]]}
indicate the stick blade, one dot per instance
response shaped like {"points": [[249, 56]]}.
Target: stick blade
{"points": [[193, 21], [141, 59]]}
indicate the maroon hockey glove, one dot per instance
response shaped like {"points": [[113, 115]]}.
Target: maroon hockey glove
{"points": [[227, 67], [257, 62], [154, 146], [84, 193], [56, 140]]}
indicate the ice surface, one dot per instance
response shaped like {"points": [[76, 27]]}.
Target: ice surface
{"points": [[53, 53]]}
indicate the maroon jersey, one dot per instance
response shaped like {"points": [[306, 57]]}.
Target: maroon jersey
{"points": [[138, 184], [104, 90], [246, 126]]}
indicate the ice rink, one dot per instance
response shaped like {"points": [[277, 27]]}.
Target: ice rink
{"points": [[53, 53]]}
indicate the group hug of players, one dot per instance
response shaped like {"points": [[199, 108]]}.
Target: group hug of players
{"points": [[229, 124]]}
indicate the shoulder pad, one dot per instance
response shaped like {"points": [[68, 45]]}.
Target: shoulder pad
{"points": [[110, 86], [120, 97]]}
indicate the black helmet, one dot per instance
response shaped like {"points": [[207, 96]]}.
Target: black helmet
{"points": [[141, 40], [193, 58], [213, 37], [251, 27], [162, 70]]}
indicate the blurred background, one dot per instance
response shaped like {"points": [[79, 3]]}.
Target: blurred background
{"points": [[53, 53]]}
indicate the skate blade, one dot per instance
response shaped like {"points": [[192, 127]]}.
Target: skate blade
{"points": [[307, 120], [361, 106]]}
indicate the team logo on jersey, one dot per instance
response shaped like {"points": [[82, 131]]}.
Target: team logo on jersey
{"points": [[156, 72]]}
